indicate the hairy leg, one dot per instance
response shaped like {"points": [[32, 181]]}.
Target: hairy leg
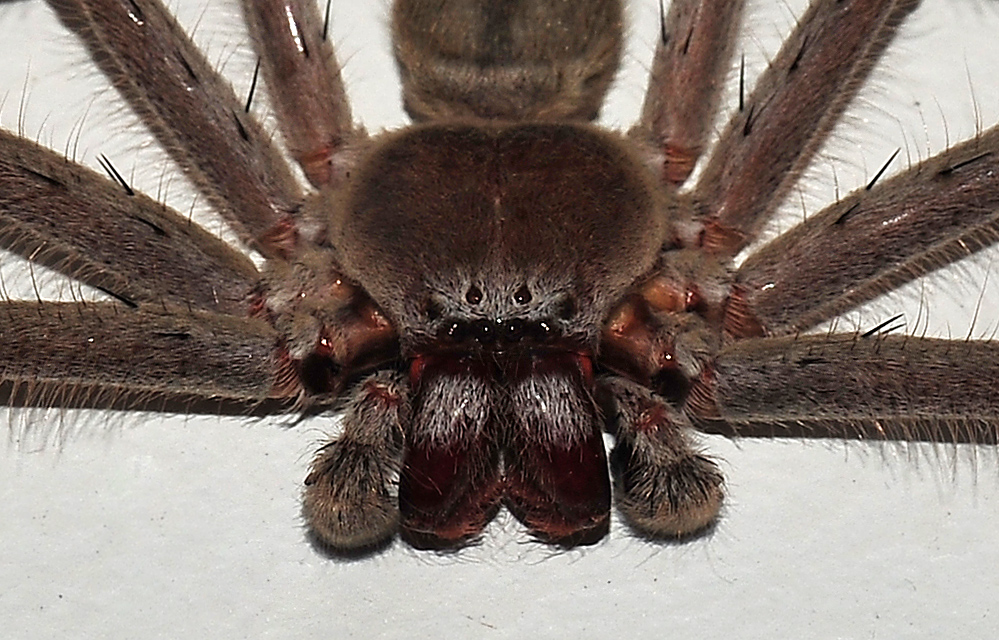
{"points": [[850, 386], [306, 87], [190, 108], [104, 234], [665, 486], [937, 212], [688, 72], [348, 501], [63, 347], [790, 112]]}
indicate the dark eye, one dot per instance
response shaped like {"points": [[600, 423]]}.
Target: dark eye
{"points": [[512, 330], [539, 331], [484, 331], [523, 295], [455, 331], [473, 295]]}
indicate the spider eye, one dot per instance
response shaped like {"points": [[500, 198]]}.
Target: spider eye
{"points": [[456, 331], [513, 330], [484, 331], [523, 295], [473, 295], [539, 331]]}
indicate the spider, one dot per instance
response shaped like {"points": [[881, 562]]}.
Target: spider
{"points": [[487, 291]]}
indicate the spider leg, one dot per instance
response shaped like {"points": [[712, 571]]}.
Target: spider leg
{"points": [[939, 211], [688, 73], [794, 105], [306, 88], [862, 386], [70, 348], [347, 501], [104, 234], [191, 109], [666, 487]]}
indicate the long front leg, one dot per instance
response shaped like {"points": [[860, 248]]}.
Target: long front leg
{"points": [[305, 84], [884, 387], [111, 237], [872, 241], [794, 105], [688, 72], [191, 109], [55, 352]]}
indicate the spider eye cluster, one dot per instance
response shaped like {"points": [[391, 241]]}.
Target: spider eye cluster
{"points": [[497, 332]]}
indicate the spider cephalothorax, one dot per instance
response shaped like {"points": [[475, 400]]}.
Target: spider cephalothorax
{"points": [[497, 250]]}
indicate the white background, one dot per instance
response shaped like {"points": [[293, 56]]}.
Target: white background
{"points": [[147, 525]]}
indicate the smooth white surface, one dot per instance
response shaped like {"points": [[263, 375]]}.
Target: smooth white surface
{"points": [[151, 525]]}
